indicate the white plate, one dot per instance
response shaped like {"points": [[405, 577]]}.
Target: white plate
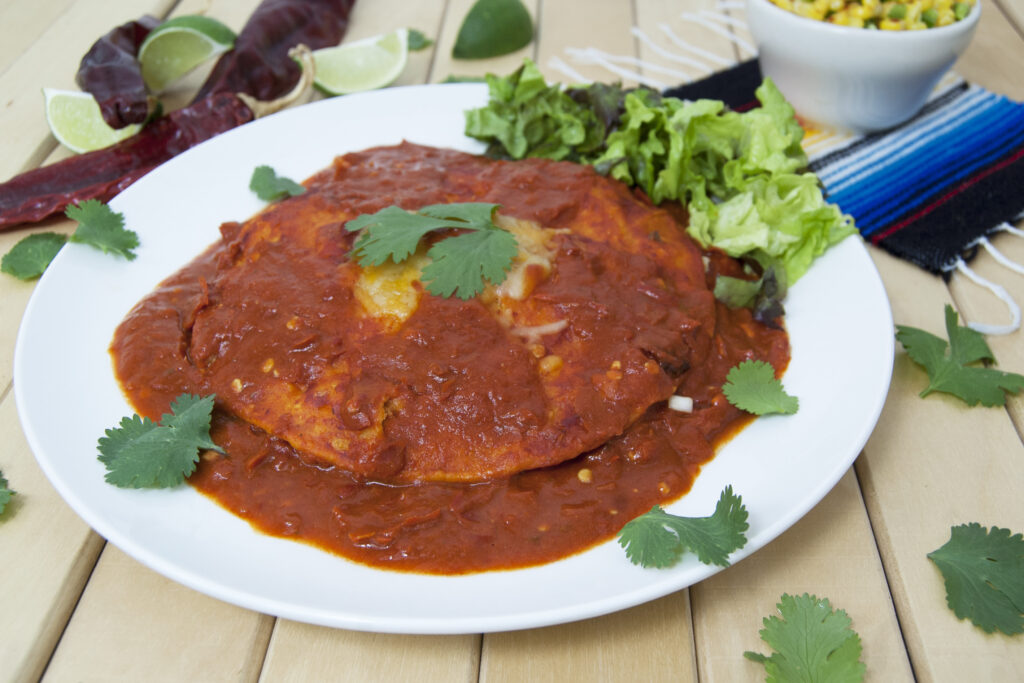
{"points": [[842, 346]]}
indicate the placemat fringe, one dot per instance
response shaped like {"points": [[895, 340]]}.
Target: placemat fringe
{"points": [[1000, 293]]}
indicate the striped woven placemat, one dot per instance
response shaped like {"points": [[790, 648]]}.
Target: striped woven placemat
{"points": [[927, 190]]}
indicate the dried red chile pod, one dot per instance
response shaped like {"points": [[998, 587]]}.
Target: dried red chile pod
{"points": [[111, 73], [261, 68], [259, 64], [101, 174]]}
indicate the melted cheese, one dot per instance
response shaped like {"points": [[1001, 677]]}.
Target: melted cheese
{"points": [[534, 250], [389, 294]]}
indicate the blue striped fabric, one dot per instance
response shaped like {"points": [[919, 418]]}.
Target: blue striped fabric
{"points": [[925, 191], [892, 175]]}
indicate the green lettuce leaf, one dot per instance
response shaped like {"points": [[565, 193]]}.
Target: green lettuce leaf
{"points": [[527, 117], [784, 216], [740, 174]]}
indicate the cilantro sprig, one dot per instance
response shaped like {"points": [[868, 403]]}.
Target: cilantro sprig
{"points": [[5, 493], [983, 570], [459, 264], [659, 539], [417, 40], [811, 642], [270, 187], [140, 453], [98, 226], [103, 228], [753, 387], [949, 364]]}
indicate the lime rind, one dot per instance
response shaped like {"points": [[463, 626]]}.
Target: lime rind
{"points": [[209, 27], [179, 45], [493, 28], [362, 65], [75, 120]]}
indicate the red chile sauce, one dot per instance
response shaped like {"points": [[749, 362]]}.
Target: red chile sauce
{"points": [[530, 518]]}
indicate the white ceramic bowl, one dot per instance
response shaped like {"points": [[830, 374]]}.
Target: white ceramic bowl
{"points": [[854, 79]]}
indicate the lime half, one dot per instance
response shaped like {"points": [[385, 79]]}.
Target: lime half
{"points": [[362, 64], [75, 120], [493, 28], [179, 45]]}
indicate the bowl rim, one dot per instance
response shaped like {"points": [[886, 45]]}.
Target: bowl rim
{"points": [[931, 34]]}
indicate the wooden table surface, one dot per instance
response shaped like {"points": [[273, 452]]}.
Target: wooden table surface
{"points": [[74, 608]]}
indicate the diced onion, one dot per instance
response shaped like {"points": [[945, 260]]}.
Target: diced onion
{"points": [[683, 404], [536, 331]]}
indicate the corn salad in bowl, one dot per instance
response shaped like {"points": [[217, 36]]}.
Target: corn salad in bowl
{"points": [[858, 79], [891, 15]]}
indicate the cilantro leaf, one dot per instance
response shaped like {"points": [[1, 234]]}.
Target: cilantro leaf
{"points": [[31, 255], [101, 227], [947, 363], [658, 538], [5, 493], [98, 226], [812, 642], [140, 453], [392, 233], [752, 386], [270, 187], [459, 263], [417, 40], [984, 574]]}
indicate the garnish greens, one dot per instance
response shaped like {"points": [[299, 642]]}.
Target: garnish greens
{"points": [[103, 228], [417, 40], [659, 539], [811, 642], [948, 364], [270, 187], [763, 295], [30, 257], [753, 387], [739, 174], [140, 453], [984, 574], [459, 264], [5, 493], [98, 226]]}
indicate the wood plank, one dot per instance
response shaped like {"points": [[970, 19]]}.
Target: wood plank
{"points": [[134, 625], [830, 553], [301, 652], [570, 26], [994, 58], [653, 15], [1014, 11], [51, 62], [651, 642], [48, 556], [32, 19], [931, 464]]}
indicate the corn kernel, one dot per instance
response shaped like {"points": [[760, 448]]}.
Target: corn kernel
{"points": [[888, 15]]}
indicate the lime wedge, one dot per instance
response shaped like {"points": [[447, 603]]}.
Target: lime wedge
{"points": [[75, 120], [493, 28], [362, 64], [179, 45]]}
